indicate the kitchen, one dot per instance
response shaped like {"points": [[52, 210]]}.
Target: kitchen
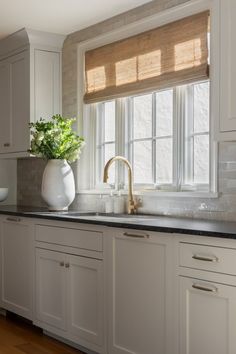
{"points": [[144, 260]]}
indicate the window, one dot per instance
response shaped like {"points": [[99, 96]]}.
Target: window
{"points": [[166, 137], [147, 98]]}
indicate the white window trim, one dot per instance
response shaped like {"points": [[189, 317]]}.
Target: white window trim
{"points": [[85, 175]]}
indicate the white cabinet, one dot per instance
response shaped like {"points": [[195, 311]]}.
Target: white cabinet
{"points": [[207, 317], [139, 292], [228, 68], [16, 266], [69, 294], [19, 104], [5, 103], [85, 296], [207, 296], [226, 129], [69, 283], [51, 288], [47, 85], [14, 93], [30, 86]]}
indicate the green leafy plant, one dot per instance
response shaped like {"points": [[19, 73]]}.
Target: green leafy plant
{"points": [[55, 139]]}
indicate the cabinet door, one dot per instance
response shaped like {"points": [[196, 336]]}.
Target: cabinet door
{"points": [[20, 108], [5, 102], [228, 67], [85, 299], [17, 263], [51, 288], [207, 317], [139, 293], [47, 84]]}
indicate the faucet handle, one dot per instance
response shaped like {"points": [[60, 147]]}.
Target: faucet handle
{"points": [[139, 202]]}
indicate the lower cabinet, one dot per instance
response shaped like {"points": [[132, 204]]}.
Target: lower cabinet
{"points": [[157, 294], [139, 293], [69, 296], [51, 288], [85, 297], [207, 317], [16, 266]]}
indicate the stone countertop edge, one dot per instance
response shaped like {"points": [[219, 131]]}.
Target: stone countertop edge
{"points": [[159, 223]]}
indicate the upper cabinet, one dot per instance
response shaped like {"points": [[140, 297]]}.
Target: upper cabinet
{"points": [[226, 129], [30, 86], [46, 84]]}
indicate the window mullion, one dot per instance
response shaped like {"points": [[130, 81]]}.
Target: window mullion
{"points": [[154, 133], [120, 141], [130, 132], [189, 137], [100, 140], [176, 131]]}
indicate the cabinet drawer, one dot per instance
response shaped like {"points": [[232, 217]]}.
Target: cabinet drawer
{"points": [[86, 239], [210, 258]]}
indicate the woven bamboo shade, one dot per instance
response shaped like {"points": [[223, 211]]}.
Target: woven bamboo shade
{"points": [[170, 55]]}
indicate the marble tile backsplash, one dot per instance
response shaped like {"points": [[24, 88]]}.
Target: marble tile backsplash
{"points": [[29, 178], [30, 172]]}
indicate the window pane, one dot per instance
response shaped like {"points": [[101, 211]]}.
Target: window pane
{"points": [[201, 107], [109, 117], [201, 159], [142, 162], [142, 123], [109, 153], [164, 112], [164, 161]]}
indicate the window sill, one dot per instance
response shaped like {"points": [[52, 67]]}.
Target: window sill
{"points": [[156, 193]]}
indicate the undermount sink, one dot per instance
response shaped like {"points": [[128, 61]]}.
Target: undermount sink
{"points": [[108, 216], [100, 216]]}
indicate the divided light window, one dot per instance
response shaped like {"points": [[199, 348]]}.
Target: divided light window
{"points": [[151, 97], [167, 137]]}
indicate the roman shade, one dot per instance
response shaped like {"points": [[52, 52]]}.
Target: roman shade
{"points": [[167, 56]]}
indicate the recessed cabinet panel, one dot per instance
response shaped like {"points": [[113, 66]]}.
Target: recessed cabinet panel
{"points": [[207, 317], [5, 102], [51, 288], [78, 238], [209, 258], [85, 286], [138, 296], [228, 67], [47, 84], [20, 102], [16, 253]]}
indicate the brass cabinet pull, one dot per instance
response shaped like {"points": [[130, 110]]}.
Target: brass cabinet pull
{"points": [[13, 219], [62, 264], [205, 258], [67, 265], [6, 144], [127, 234], [212, 289]]}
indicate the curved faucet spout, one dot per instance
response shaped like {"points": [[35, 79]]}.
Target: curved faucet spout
{"points": [[132, 205]]}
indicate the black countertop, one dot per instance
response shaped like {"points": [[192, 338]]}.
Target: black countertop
{"points": [[212, 228]]}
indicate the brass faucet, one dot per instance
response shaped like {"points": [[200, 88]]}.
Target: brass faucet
{"points": [[132, 205]]}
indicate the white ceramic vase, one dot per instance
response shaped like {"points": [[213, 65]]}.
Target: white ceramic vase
{"points": [[58, 185]]}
